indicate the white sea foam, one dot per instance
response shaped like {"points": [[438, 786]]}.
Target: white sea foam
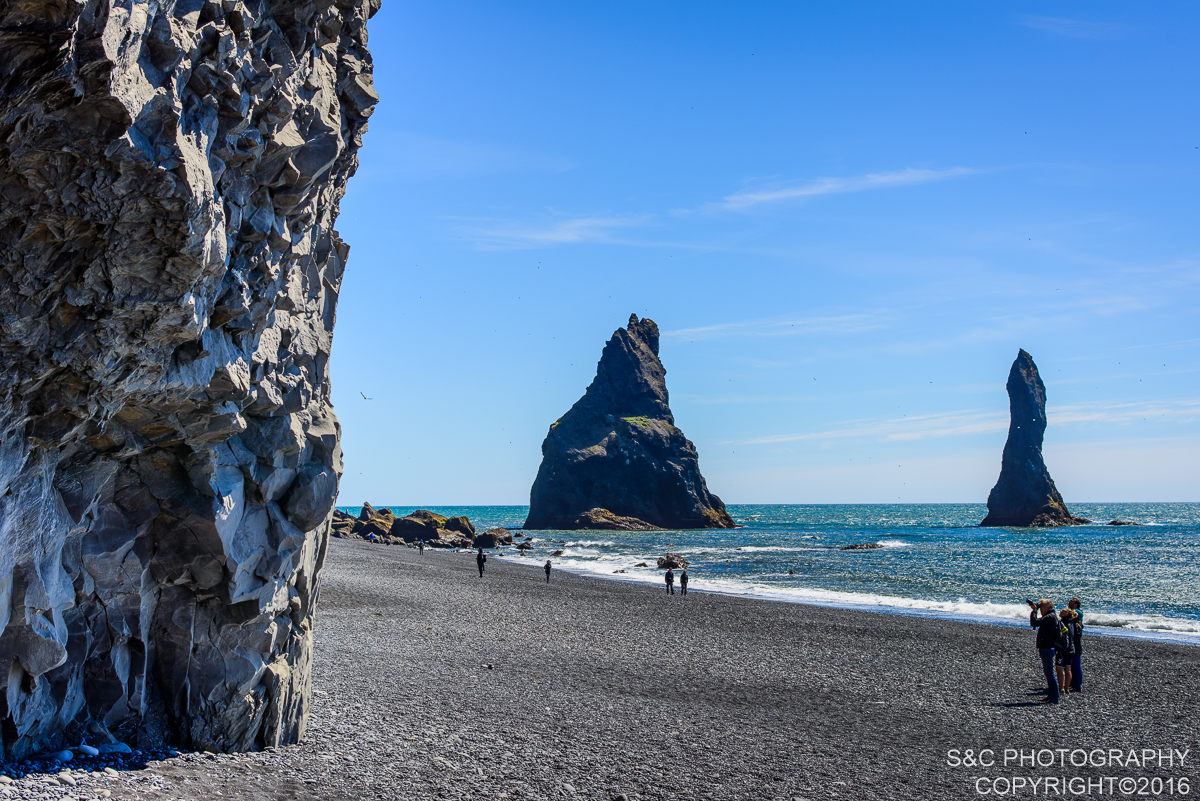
{"points": [[895, 544], [1143, 625]]}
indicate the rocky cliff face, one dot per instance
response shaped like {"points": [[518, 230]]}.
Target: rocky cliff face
{"points": [[170, 174], [616, 459], [1025, 494]]}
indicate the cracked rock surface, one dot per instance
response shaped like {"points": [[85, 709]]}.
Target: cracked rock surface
{"points": [[1025, 494], [616, 460], [170, 174]]}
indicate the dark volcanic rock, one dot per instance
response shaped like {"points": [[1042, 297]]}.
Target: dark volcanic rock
{"points": [[436, 531], [616, 459], [1120, 523], [861, 546], [170, 176], [604, 519], [493, 538], [673, 561], [1025, 494]]}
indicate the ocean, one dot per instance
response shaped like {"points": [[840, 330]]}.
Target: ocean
{"points": [[935, 561]]}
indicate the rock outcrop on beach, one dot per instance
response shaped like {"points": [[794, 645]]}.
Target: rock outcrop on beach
{"points": [[1025, 494], [169, 273], [673, 561], [493, 538], [616, 460], [383, 526]]}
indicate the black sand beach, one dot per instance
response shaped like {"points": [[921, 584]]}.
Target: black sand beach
{"points": [[432, 683]]}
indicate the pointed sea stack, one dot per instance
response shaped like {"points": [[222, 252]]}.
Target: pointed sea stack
{"points": [[616, 459], [1025, 494]]}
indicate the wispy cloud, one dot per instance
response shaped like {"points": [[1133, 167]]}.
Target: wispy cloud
{"points": [[1161, 411], [604, 229], [507, 234], [1074, 28], [902, 428], [833, 186], [839, 324], [975, 421]]}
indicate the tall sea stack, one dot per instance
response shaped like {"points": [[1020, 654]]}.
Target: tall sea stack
{"points": [[616, 460], [1025, 494], [170, 174]]}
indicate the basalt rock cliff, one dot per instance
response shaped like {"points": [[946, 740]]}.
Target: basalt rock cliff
{"points": [[616, 460], [170, 174], [1025, 494]]}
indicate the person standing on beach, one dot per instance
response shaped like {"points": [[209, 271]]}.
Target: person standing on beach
{"points": [[670, 577], [683, 581], [421, 547], [547, 569], [480, 558], [1076, 657], [1064, 648], [1042, 618]]}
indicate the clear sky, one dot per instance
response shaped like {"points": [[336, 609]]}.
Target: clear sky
{"points": [[844, 217]]}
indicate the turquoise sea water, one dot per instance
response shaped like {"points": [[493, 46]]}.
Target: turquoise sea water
{"points": [[1141, 580]]}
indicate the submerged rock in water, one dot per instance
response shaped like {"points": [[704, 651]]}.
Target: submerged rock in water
{"points": [[1025, 494], [861, 546], [170, 175], [616, 460], [673, 561]]}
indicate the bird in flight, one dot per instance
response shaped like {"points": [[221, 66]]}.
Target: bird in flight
{"points": [[364, 395]]}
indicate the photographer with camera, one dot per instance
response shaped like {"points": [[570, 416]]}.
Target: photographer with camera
{"points": [[1042, 618]]}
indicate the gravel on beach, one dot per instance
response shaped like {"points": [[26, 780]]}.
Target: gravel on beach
{"points": [[430, 682]]}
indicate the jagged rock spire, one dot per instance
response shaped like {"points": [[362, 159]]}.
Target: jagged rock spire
{"points": [[1025, 494], [616, 459]]}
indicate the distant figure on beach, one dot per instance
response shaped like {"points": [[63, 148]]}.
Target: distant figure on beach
{"points": [[1064, 649], [421, 546], [1075, 605], [480, 558], [683, 581], [1042, 618], [670, 577], [547, 569]]}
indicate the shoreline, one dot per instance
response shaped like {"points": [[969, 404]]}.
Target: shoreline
{"points": [[883, 609], [430, 682]]}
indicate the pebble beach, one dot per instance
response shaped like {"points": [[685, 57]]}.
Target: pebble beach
{"points": [[430, 682]]}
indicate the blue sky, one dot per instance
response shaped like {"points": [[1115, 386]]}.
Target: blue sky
{"points": [[845, 218]]}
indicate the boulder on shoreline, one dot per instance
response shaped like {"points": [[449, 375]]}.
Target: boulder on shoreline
{"points": [[494, 538], [1025, 494], [435, 530], [616, 460], [673, 561]]}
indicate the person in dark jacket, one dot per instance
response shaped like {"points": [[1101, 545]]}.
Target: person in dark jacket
{"points": [[1076, 657], [480, 558], [670, 579], [547, 567], [1064, 649], [683, 581], [1042, 618]]}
